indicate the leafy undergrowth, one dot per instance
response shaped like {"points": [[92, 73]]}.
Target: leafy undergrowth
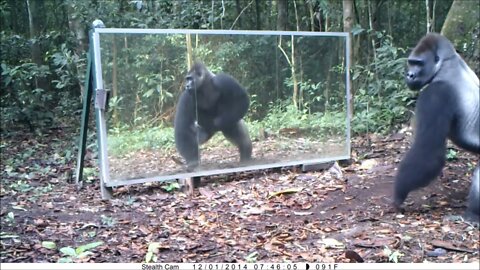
{"points": [[335, 215]]}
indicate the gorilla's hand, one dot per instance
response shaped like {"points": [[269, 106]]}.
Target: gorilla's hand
{"points": [[202, 134]]}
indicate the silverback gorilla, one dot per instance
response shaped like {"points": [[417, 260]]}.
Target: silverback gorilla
{"points": [[448, 107], [210, 103]]}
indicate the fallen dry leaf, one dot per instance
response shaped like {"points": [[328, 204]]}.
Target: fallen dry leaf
{"points": [[285, 191]]}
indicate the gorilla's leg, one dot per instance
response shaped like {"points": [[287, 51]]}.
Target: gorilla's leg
{"points": [[238, 135], [473, 208], [189, 141]]}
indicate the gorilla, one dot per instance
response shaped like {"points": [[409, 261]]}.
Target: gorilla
{"points": [[448, 107], [210, 103]]}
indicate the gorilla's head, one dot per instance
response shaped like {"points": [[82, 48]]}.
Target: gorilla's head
{"points": [[197, 76], [426, 60]]}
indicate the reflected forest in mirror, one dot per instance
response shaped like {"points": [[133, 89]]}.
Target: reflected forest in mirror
{"points": [[295, 85]]}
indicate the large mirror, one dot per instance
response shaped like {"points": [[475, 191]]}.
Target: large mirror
{"points": [[296, 84]]}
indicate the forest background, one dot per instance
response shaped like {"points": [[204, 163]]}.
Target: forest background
{"points": [[44, 46]]}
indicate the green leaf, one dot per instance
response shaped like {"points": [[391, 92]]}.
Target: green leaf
{"points": [[394, 256], [65, 260], [4, 235], [49, 245], [171, 186], [357, 29], [11, 216], [84, 254], [152, 247], [86, 247], [252, 257], [148, 257], [68, 251], [149, 93], [16, 207]]}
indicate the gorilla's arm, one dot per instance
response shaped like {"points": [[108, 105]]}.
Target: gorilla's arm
{"points": [[233, 103], [424, 161], [185, 129]]}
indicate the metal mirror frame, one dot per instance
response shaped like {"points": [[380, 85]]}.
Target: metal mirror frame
{"points": [[94, 82]]}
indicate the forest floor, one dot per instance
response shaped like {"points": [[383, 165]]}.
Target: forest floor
{"points": [[341, 214], [219, 154]]}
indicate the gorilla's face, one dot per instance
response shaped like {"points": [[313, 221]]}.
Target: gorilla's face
{"points": [[421, 69], [195, 78], [190, 82]]}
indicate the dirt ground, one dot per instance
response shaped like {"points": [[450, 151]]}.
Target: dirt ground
{"points": [[341, 214]]}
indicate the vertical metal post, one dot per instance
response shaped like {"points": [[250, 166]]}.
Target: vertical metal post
{"points": [[100, 100], [348, 91], [87, 99]]}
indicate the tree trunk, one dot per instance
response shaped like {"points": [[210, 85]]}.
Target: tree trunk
{"points": [[188, 41], [461, 19], [371, 11], [258, 22], [291, 62], [430, 12], [377, 7], [36, 23], [327, 20], [297, 100], [312, 16], [433, 15], [282, 15], [76, 25], [281, 26], [389, 20], [461, 28], [427, 12], [297, 20], [269, 10], [239, 12], [347, 27], [15, 16]]}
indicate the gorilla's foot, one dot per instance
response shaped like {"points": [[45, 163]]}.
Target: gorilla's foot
{"points": [[399, 209], [191, 166], [472, 217]]}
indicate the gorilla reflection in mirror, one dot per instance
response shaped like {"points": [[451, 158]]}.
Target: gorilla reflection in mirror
{"points": [[448, 107], [210, 103]]}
